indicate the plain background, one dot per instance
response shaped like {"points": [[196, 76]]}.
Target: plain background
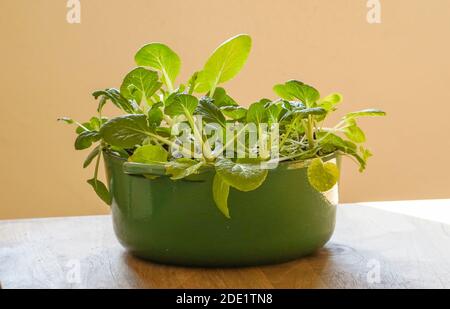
{"points": [[50, 67]]}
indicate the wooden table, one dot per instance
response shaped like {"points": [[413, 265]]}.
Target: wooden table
{"points": [[371, 248]]}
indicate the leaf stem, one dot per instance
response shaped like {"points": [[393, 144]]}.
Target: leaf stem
{"points": [[229, 142], [168, 81], [214, 86], [262, 145], [286, 135], [310, 132], [336, 128], [97, 163], [168, 120], [171, 144], [206, 149], [311, 151]]}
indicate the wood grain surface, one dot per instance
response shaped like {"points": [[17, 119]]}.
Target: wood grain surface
{"points": [[371, 248]]}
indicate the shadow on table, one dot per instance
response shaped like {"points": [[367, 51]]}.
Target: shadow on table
{"points": [[307, 272]]}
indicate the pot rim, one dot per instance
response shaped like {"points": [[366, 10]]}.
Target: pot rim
{"points": [[285, 165]]}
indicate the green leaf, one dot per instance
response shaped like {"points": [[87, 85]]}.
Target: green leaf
{"points": [[160, 57], [328, 138], [91, 156], [101, 190], [221, 98], [296, 89], [221, 190], [225, 63], [303, 92], [349, 147], [163, 131], [140, 83], [282, 92], [294, 105], [171, 98], [192, 82], [94, 124], [330, 101], [304, 113], [362, 158], [353, 132], [362, 162], [322, 176], [86, 126], [275, 111], [210, 112], [155, 116], [86, 139], [182, 168], [116, 98], [119, 152], [365, 113], [149, 154], [257, 112], [66, 120], [242, 176], [366, 154], [125, 131], [331, 142], [234, 112], [182, 104]]}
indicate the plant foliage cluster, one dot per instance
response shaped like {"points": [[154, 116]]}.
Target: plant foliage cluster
{"points": [[153, 104]]}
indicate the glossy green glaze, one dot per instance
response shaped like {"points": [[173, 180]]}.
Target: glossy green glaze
{"points": [[177, 222]]}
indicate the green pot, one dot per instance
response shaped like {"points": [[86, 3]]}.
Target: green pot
{"points": [[177, 222]]}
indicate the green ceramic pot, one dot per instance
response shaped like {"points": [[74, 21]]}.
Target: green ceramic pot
{"points": [[177, 222]]}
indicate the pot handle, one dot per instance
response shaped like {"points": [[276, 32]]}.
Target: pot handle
{"points": [[133, 168]]}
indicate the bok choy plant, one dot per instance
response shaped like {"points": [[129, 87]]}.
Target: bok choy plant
{"points": [[166, 124]]}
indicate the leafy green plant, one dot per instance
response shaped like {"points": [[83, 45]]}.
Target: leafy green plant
{"points": [[155, 108]]}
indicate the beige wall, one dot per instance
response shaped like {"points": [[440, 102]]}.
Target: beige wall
{"points": [[49, 68]]}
